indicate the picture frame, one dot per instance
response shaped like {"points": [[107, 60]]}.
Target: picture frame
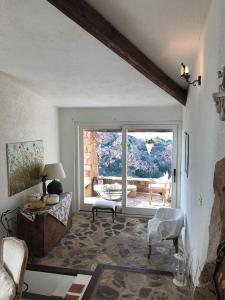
{"points": [[186, 153], [24, 163]]}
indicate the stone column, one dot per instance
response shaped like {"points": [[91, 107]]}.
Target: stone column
{"points": [[206, 290], [90, 160]]}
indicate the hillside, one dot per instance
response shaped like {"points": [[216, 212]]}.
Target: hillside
{"points": [[140, 163]]}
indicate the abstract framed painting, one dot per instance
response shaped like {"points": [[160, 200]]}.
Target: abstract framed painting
{"points": [[24, 163]]}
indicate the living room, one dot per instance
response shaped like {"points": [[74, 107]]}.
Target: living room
{"points": [[56, 80]]}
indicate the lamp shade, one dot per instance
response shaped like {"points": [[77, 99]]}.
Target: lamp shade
{"points": [[54, 171]]}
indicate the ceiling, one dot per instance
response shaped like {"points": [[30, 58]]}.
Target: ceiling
{"points": [[59, 61]]}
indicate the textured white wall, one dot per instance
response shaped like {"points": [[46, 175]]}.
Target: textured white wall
{"points": [[24, 117], [207, 138], [68, 117]]}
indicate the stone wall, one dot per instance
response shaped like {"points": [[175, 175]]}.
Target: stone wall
{"points": [[142, 184], [90, 161], [205, 289]]}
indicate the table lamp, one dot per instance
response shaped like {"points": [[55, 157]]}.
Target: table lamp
{"points": [[54, 171]]}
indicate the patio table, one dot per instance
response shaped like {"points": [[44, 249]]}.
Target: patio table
{"points": [[112, 191]]}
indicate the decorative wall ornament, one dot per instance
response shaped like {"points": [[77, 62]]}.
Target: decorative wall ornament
{"points": [[25, 161], [219, 97]]}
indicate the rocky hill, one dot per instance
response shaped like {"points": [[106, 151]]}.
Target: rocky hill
{"points": [[141, 163]]}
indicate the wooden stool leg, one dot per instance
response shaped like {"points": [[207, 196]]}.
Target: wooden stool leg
{"points": [[113, 215], [175, 242], [96, 211], [93, 214], [115, 211], [149, 251]]}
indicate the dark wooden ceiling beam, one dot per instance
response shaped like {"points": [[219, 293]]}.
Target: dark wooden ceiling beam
{"points": [[89, 19]]}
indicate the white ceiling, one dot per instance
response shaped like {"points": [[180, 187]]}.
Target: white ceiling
{"points": [[61, 62], [166, 31]]}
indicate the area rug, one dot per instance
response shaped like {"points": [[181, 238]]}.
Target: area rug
{"points": [[124, 243], [118, 283]]}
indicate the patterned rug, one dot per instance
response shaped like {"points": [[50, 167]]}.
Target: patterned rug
{"points": [[103, 242]]}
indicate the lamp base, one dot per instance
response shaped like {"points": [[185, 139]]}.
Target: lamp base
{"points": [[43, 179], [55, 187]]}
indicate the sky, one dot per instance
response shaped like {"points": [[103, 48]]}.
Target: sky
{"points": [[149, 135]]}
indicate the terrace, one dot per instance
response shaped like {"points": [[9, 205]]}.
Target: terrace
{"points": [[141, 197]]}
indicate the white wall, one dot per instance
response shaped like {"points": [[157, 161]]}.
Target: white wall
{"points": [[68, 118], [207, 138], [24, 117]]}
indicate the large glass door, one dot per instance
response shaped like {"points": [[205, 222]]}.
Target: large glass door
{"points": [[134, 166], [149, 168]]}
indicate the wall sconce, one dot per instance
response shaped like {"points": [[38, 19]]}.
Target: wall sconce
{"points": [[184, 72], [219, 97]]}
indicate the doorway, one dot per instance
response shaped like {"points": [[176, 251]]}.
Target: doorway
{"points": [[132, 165], [149, 168]]}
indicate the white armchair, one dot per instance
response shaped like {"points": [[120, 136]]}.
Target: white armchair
{"points": [[165, 225], [14, 254]]}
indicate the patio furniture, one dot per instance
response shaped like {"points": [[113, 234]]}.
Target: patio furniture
{"points": [[165, 225], [14, 254], [104, 205], [161, 186], [112, 191]]}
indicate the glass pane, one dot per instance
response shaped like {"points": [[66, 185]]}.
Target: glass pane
{"points": [[102, 165], [149, 168]]}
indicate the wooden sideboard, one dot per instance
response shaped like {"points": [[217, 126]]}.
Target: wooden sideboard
{"points": [[43, 233]]}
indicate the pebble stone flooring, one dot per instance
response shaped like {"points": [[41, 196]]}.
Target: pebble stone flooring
{"points": [[123, 243], [118, 284]]}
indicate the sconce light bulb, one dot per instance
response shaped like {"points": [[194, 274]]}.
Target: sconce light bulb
{"points": [[186, 70]]}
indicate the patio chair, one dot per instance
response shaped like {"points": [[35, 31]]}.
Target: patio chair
{"points": [[161, 186], [165, 225], [14, 254]]}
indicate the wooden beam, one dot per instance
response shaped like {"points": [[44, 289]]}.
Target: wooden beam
{"points": [[89, 19]]}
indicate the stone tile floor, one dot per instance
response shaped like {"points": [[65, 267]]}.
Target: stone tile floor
{"points": [[123, 243], [116, 283]]}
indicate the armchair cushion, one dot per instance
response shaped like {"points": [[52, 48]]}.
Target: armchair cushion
{"points": [[7, 285], [166, 224], [104, 204]]}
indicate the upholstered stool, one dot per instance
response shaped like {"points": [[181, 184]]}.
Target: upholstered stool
{"points": [[104, 205]]}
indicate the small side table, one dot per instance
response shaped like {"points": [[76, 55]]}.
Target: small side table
{"points": [[44, 232]]}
